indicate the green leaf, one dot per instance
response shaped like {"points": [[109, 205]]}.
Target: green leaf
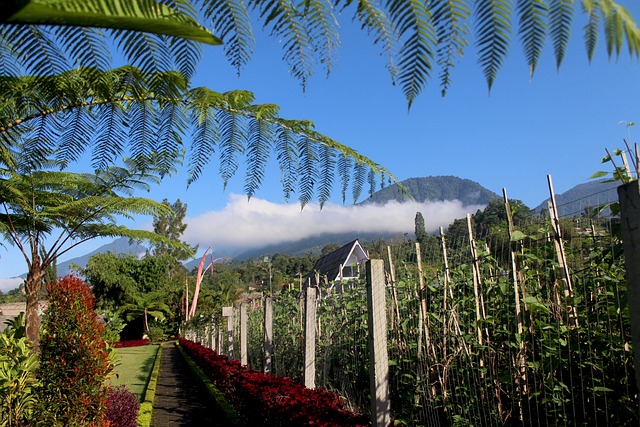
{"points": [[517, 236], [599, 174], [139, 15]]}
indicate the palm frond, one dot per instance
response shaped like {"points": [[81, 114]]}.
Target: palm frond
{"points": [[533, 28], [493, 28]]}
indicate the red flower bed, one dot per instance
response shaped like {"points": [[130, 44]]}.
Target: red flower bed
{"points": [[131, 343], [265, 400]]}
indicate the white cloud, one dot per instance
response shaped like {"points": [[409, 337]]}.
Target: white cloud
{"points": [[255, 223]]}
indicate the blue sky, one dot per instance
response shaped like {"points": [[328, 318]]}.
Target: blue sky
{"points": [[558, 123]]}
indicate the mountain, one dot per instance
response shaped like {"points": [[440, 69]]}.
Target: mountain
{"points": [[434, 189], [574, 201], [118, 246]]}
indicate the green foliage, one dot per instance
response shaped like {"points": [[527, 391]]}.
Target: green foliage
{"points": [[17, 379], [113, 326], [156, 334], [171, 225], [74, 361]]}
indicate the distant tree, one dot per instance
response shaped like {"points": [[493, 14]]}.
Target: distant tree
{"points": [[327, 249], [421, 233], [145, 305], [171, 225]]}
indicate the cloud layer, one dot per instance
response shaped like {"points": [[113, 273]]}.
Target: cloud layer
{"points": [[246, 224]]}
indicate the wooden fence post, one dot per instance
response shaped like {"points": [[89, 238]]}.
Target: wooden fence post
{"points": [[629, 197], [243, 333], [268, 334], [310, 338], [228, 313], [378, 352]]}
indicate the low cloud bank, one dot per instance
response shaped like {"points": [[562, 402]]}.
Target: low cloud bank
{"points": [[10, 283], [246, 224]]}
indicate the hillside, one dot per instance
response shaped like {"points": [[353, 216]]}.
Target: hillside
{"points": [[574, 201], [435, 188]]}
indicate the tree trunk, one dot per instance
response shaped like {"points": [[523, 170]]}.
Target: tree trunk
{"points": [[32, 287]]}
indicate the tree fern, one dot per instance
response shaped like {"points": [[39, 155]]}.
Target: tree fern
{"points": [[359, 179], [533, 27], [233, 136], [287, 156], [86, 46], [493, 28], [307, 172], [344, 171], [592, 9], [323, 31], [258, 148]]}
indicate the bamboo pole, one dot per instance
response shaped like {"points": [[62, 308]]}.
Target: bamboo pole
{"points": [[476, 280], [562, 258], [394, 294], [521, 364]]}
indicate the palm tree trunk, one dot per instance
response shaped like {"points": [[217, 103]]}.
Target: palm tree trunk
{"points": [[146, 323]]}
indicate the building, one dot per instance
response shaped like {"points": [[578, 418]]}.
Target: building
{"points": [[343, 264]]}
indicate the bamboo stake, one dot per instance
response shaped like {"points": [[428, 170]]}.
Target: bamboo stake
{"points": [[562, 258], [476, 280], [394, 294], [446, 290], [521, 364]]}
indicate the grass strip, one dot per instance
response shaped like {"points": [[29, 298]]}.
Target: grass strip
{"points": [[134, 368], [146, 407], [230, 412]]}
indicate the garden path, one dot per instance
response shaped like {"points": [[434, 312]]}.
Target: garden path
{"points": [[181, 400]]}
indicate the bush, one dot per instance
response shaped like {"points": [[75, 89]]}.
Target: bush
{"points": [[122, 407], [156, 334], [74, 360], [17, 379], [130, 343]]}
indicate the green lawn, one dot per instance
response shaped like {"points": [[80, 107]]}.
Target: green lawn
{"points": [[134, 367]]}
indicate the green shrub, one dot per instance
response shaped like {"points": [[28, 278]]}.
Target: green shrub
{"points": [[17, 379], [156, 334], [74, 361]]}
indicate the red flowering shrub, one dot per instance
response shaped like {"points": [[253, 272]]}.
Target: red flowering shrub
{"points": [[122, 407], [130, 343], [266, 400], [74, 361]]}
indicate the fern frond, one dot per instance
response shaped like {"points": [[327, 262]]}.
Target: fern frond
{"points": [[109, 142], [230, 19], [149, 52], [323, 31], [172, 124], [232, 142], [325, 174], [493, 28], [288, 25], [306, 170], [533, 29], [592, 9], [76, 136], [618, 25], [203, 139], [378, 24], [258, 147], [287, 156], [359, 178], [142, 131], [371, 179], [560, 22], [39, 53], [449, 17], [85, 46], [344, 171], [412, 19]]}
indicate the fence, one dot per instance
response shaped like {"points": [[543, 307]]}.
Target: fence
{"points": [[521, 324]]}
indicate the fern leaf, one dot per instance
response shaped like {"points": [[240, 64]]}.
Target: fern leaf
{"points": [[203, 142], [560, 22], [258, 147], [326, 173], [86, 46], [232, 142], [109, 142], [413, 21], [172, 124], [288, 25], [359, 177], [307, 170], [39, 53], [344, 171], [149, 52], [371, 179], [230, 19], [323, 31], [378, 24], [592, 9], [76, 136], [287, 156], [142, 132], [533, 29], [449, 17], [493, 28]]}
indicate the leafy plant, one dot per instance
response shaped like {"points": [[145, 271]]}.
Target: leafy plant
{"points": [[74, 360], [17, 380], [122, 407]]}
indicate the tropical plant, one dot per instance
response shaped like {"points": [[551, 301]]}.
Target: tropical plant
{"points": [[74, 361], [69, 209], [17, 379], [172, 227], [145, 305]]}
